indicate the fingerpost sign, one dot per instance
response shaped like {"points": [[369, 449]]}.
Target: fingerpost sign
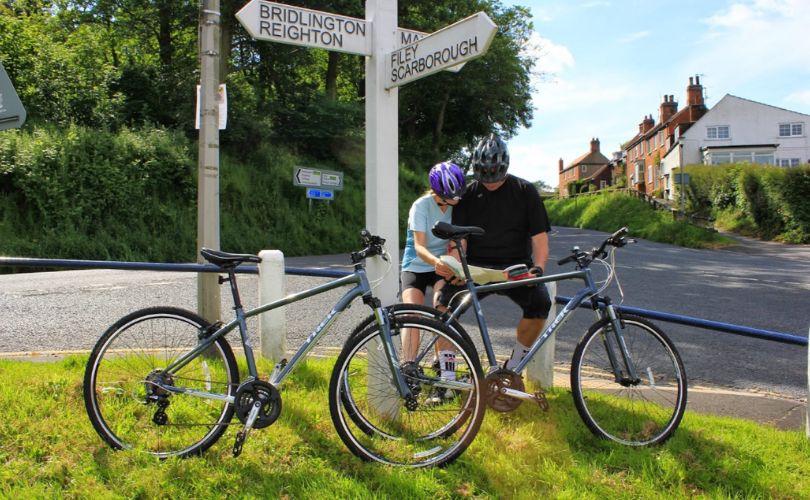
{"points": [[394, 57]]}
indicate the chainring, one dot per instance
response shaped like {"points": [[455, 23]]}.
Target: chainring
{"points": [[257, 390], [495, 381]]}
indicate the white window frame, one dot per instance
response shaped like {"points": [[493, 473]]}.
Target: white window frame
{"points": [[716, 130], [584, 168], [792, 129]]}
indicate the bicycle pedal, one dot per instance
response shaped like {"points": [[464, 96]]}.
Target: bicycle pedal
{"points": [[542, 400], [237, 445]]}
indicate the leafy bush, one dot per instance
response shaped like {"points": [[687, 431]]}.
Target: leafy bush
{"points": [[763, 201]]}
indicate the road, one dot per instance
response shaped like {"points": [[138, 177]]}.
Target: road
{"points": [[759, 285]]}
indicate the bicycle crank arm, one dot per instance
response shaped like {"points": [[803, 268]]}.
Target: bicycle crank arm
{"points": [[540, 398], [242, 435]]}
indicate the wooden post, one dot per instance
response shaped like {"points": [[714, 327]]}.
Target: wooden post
{"points": [[208, 295]]}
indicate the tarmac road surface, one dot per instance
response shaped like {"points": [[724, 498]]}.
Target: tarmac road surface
{"points": [[755, 284]]}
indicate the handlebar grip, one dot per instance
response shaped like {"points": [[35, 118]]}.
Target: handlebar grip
{"points": [[566, 260], [618, 234]]}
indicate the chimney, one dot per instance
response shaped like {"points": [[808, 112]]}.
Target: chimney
{"points": [[668, 108], [561, 165], [694, 92], [595, 145], [646, 125]]}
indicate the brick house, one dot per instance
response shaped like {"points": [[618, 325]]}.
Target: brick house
{"points": [[645, 151], [592, 167]]}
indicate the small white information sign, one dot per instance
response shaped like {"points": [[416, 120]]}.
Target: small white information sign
{"points": [[222, 106], [450, 46]]}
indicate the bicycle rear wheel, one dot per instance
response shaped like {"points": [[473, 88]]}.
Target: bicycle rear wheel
{"points": [[122, 393], [375, 423], [637, 412]]}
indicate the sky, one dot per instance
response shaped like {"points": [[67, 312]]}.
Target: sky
{"points": [[602, 65]]}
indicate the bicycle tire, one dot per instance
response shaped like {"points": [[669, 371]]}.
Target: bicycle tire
{"points": [[646, 412], [125, 406], [428, 434], [395, 311]]}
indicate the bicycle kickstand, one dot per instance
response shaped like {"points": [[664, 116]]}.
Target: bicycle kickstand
{"points": [[243, 434]]}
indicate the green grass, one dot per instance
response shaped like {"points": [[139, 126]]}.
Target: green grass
{"points": [[608, 212], [49, 449]]}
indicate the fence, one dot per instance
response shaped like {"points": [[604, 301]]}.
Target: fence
{"points": [[330, 273]]}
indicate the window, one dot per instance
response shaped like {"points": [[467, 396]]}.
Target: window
{"points": [[791, 129], [720, 158], [763, 158], [788, 162], [602, 184], [719, 132], [584, 168]]}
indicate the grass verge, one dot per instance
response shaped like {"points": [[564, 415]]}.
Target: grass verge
{"points": [[610, 211], [49, 449]]}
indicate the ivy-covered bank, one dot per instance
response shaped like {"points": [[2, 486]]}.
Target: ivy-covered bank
{"points": [[132, 195]]}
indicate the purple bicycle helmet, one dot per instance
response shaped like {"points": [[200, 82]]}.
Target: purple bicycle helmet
{"points": [[490, 160], [447, 180]]}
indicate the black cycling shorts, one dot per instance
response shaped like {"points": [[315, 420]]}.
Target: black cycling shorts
{"points": [[533, 300], [419, 280]]}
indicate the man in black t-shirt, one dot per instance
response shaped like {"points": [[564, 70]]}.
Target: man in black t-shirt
{"points": [[516, 226]]}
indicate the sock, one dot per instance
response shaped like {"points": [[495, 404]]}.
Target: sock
{"points": [[518, 352], [447, 364]]}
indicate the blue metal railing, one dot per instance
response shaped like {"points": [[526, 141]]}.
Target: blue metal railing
{"points": [[745, 331], [150, 266]]}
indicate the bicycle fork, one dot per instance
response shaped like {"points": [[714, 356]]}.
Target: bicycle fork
{"points": [[624, 371]]}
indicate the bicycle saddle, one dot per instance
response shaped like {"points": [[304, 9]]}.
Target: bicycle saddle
{"points": [[447, 231], [227, 259]]}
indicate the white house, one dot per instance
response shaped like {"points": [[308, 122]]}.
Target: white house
{"points": [[737, 130]]}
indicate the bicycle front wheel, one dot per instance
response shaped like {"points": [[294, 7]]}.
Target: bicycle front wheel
{"points": [[125, 384], [638, 411], [431, 428]]}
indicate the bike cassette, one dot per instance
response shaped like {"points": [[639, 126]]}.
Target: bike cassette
{"points": [[256, 390], [495, 381]]}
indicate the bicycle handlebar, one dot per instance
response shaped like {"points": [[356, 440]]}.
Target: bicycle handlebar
{"points": [[583, 259], [374, 246]]}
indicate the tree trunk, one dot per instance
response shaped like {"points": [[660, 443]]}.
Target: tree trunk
{"points": [[165, 32], [439, 126], [331, 76], [226, 34]]}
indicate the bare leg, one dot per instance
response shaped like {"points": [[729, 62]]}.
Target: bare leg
{"points": [[529, 329], [441, 344], [410, 338], [527, 332]]}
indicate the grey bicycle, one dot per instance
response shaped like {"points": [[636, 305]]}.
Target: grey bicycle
{"points": [[164, 381], [627, 378]]}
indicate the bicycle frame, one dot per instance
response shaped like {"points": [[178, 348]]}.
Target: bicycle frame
{"points": [[590, 290], [361, 289]]}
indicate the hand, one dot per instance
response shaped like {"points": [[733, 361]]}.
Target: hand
{"points": [[443, 270], [536, 270]]}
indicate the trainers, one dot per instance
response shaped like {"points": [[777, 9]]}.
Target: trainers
{"points": [[440, 395]]}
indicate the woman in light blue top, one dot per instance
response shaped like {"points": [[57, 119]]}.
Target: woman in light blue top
{"points": [[421, 266]]}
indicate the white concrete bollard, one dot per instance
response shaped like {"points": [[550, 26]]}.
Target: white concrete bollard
{"points": [[540, 369], [272, 324]]}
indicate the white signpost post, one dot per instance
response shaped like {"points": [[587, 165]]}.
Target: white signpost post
{"points": [[388, 65]]}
